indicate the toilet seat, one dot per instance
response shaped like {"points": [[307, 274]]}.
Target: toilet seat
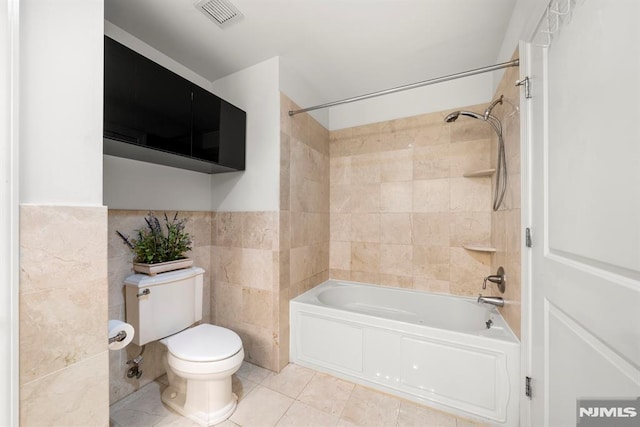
{"points": [[204, 343]]}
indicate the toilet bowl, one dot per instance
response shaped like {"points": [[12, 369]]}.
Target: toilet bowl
{"points": [[199, 363]]}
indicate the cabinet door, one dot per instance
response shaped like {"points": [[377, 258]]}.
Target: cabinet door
{"points": [[148, 106], [162, 107], [233, 124], [206, 125], [119, 93]]}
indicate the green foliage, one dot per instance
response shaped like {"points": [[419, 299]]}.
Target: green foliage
{"points": [[152, 245]]}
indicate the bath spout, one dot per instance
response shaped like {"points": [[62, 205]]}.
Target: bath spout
{"points": [[497, 301]]}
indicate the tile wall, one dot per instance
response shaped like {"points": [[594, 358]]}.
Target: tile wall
{"points": [[401, 210], [245, 289], [63, 316], [304, 210], [506, 226]]}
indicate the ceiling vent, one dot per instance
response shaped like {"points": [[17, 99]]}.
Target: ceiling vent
{"points": [[222, 12]]}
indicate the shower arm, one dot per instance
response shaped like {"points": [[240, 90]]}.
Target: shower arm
{"points": [[487, 111]]}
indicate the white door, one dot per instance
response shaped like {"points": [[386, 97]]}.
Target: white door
{"points": [[584, 184]]}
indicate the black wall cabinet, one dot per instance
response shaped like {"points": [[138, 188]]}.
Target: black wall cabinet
{"points": [[154, 115]]}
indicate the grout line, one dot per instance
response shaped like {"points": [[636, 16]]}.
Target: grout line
{"points": [[285, 413], [281, 394], [305, 385], [347, 401]]}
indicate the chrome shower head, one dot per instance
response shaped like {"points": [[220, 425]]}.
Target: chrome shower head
{"points": [[501, 167], [484, 116], [452, 117]]}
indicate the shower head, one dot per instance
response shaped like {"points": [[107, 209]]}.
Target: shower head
{"points": [[454, 116], [501, 167], [484, 116]]}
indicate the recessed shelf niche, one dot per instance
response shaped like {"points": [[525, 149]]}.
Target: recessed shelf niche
{"points": [[479, 173], [479, 248]]}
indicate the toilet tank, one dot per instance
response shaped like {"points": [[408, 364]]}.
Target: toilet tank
{"points": [[161, 305]]}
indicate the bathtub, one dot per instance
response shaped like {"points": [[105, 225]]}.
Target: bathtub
{"points": [[430, 348]]}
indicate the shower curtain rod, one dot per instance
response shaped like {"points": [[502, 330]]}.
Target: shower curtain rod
{"points": [[512, 63]]}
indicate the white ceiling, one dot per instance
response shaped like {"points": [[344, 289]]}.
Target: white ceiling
{"points": [[343, 48]]}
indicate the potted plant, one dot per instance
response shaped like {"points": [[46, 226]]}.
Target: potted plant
{"points": [[157, 251]]}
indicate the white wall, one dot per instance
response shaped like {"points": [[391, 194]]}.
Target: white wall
{"points": [[443, 96], [130, 184], [256, 91], [61, 57], [302, 91]]}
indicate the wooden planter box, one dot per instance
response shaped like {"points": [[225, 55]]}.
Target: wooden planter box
{"points": [[162, 267]]}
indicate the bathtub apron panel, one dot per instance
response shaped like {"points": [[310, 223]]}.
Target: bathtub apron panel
{"points": [[474, 374]]}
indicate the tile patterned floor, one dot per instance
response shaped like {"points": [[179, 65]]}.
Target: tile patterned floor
{"points": [[296, 397]]}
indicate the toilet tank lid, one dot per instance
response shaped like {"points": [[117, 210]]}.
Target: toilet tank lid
{"points": [[204, 343], [144, 280]]}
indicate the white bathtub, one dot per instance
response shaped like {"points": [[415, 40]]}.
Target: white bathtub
{"points": [[429, 348]]}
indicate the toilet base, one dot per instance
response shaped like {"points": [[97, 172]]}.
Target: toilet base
{"points": [[201, 391], [175, 399]]}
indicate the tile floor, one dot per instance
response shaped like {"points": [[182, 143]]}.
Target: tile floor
{"points": [[296, 397]]}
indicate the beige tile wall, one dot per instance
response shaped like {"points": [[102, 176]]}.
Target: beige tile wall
{"points": [[506, 227], [63, 316], [240, 254], [401, 211], [199, 225], [246, 270], [304, 210]]}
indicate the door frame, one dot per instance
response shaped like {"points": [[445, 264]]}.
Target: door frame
{"points": [[9, 206], [525, 221]]}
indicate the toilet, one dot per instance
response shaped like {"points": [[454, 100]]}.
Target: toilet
{"points": [[200, 360]]}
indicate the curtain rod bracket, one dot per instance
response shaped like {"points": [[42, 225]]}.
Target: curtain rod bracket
{"points": [[512, 63]]}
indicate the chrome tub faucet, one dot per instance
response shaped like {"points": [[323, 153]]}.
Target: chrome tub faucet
{"points": [[497, 301]]}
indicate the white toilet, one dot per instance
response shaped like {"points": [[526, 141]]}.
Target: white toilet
{"points": [[199, 360]]}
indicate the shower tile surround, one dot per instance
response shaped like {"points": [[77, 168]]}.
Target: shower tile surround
{"points": [[401, 211], [384, 203]]}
